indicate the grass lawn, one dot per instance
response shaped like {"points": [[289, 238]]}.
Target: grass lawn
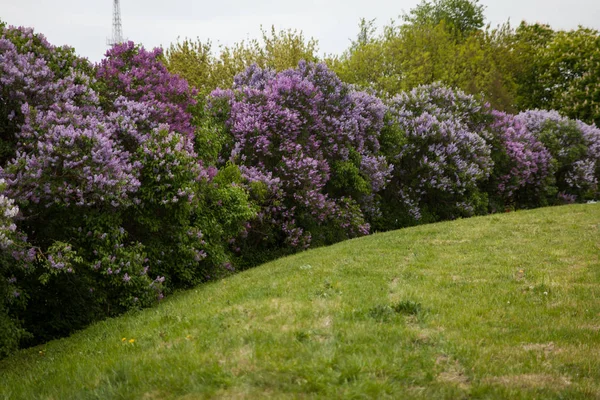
{"points": [[504, 306]]}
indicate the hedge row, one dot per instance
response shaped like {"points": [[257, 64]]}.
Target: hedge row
{"points": [[120, 184]]}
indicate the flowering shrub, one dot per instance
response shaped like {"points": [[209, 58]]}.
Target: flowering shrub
{"points": [[439, 153], [523, 169], [114, 202], [181, 213], [70, 177], [574, 147], [307, 145], [178, 205]]}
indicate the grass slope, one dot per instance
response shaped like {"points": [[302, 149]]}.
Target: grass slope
{"points": [[505, 306]]}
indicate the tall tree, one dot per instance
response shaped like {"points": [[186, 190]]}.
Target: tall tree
{"points": [[572, 76], [408, 55], [462, 17], [278, 50]]}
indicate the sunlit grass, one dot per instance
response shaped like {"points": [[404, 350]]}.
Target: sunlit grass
{"points": [[506, 306]]}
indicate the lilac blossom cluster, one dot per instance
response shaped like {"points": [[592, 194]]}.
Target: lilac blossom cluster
{"points": [[137, 74], [8, 211], [449, 104], [66, 155], [440, 159], [289, 131]]}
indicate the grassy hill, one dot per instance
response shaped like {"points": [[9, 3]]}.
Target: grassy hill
{"points": [[505, 306]]}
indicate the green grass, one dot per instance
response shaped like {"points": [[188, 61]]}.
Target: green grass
{"points": [[505, 306]]}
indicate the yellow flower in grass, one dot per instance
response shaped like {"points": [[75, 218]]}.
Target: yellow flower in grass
{"points": [[131, 340], [124, 339]]}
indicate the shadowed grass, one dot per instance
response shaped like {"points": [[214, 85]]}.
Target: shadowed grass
{"points": [[505, 306]]}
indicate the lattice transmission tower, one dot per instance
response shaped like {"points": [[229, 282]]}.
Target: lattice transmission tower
{"points": [[117, 27]]}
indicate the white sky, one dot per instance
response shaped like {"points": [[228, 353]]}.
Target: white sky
{"points": [[85, 24]]}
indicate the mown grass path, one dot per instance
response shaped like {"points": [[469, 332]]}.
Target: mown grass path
{"points": [[504, 306]]}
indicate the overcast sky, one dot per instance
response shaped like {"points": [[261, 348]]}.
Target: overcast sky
{"points": [[85, 24]]}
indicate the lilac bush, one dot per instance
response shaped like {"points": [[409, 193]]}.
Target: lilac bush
{"points": [[178, 203], [114, 202], [70, 176], [574, 147], [308, 146], [435, 141], [523, 174], [174, 209], [156, 116]]}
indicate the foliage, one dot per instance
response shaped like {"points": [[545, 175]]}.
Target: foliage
{"points": [[527, 67], [409, 55], [461, 17], [523, 63], [193, 60], [553, 69], [571, 67], [278, 50], [531, 66], [11, 296]]}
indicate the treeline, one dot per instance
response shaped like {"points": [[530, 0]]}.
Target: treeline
{"points": [[530, 66], [149, 172]]}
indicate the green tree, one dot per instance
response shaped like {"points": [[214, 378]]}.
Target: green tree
{"points": [[366, 62], [557, 70], [461, 17], [522, 47], [278, 50], [409, 55], [571, 76], [192, 60]]}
